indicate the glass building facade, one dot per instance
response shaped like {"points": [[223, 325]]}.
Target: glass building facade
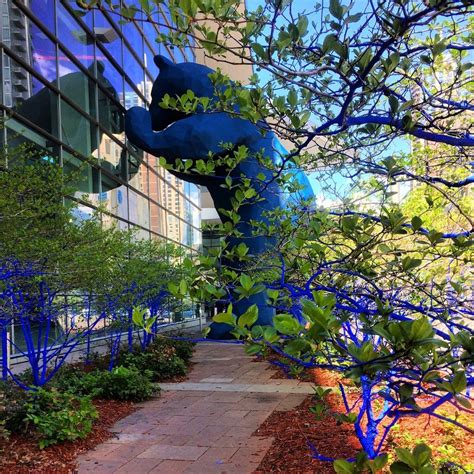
{"points": [[66, 83]]}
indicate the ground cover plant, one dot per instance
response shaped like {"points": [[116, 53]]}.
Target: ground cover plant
{"points": [[373, 279], [45, 428]]}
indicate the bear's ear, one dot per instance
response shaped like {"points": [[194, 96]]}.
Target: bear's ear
{"points": [[162, 61]]}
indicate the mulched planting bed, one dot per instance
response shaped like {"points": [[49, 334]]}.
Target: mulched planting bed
{"points": [[20, 454], [295, 430]]}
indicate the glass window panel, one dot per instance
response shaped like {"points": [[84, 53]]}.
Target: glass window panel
{"points": [[151, 34], [141, 234], [110, 222], [174, 228], [152, 70], [81, 212], [44, 10], [197, 239], [178, 55], [189, 52], [134, 38], [110, 79], [158, 218], [138, 209], [107, 37], [38, 105], [76, 85], [111, 117], [83, 178], [186, 234], [114, 197], [193, 193], [155, 186], [138, 175], [74, 37], [135, 76], [85, 17], [43, 56], [77, 131], [19, 135], [112, 156]]}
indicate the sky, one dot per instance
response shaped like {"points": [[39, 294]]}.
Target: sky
{"points": [[397, 146]]}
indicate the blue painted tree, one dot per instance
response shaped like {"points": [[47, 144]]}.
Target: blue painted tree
{"points": [[377, 93]]}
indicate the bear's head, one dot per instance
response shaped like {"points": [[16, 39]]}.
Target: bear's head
{"points": [[177, 79]]}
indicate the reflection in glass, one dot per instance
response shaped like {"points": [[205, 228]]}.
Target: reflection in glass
{"points": [[109, 221], [141, 234], [193, 193], [138, 209], [158, 218], [73, 36], [139, 179], [44, 10], [77, 131], [98, 76], [38, 147], [174, 228], [83, 177], [114, 196], [108, 39], [74, 84], [40, 108], [111, 155]]}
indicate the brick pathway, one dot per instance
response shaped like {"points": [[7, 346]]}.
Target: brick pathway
{"points": [[204, 425]]}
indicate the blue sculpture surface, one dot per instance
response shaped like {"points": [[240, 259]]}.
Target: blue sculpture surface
{"points": [[175, 135]]}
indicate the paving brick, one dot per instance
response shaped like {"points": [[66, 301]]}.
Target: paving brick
{"points": [[138, 466], [170, 467], [217, 456], [179, 453], [208, 435], [101, 467]]}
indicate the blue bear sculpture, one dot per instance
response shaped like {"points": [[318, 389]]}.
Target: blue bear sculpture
{"points": [[176, 135]]}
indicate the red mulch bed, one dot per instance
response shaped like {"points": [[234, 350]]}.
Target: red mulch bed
{"points": [[295, 429], [21, 455]]}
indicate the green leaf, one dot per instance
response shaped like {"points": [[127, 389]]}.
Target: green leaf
{"points": [[341, 466], [224, 318], [287, 324], [463, 401], [416, 223], [459, 382], [329, 43], [292, 98], [246, 282], [393, 102], [249, 318], [253, 349], [259, 50], [336, 9], [183, 287], [409, 263], [422, 454], [406, 457], [400, 468], [138, 316]]}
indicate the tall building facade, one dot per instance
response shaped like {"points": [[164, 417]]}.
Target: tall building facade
{"points": [[66, 81]]}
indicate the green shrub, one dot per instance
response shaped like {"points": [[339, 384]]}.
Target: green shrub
{"points": [[73, 379], [126, 383], [162, 364], [183, 349], [123, 383], [12, 408], [59, 416]]}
